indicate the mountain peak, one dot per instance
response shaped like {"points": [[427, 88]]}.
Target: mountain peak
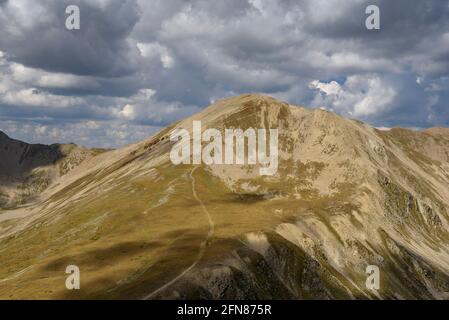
{"points": [[249, 99], [254, 97], [344, 196]]}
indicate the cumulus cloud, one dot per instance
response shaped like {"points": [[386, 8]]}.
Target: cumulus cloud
{"points": [[40, 78], [33, 97], [142, 107], [359, 95], [155, 50]]}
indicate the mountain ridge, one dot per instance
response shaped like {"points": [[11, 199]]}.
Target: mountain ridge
{"points": [[345, 196]]}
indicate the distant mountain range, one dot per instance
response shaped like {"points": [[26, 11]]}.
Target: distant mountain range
{"points": [[345, 196], [28, 169]]}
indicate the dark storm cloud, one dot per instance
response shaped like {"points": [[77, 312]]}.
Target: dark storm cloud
{"points": [[111, 87], [408, 29], [398, 18], [101, 47]]}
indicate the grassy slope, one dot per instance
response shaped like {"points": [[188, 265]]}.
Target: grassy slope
{"points": [[133, 229], [128, 234]]}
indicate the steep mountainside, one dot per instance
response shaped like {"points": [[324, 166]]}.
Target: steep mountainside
{"points": [[28, 169], [345, 196]]}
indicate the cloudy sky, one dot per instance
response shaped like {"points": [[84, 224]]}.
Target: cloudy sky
{"points": [[137, 65]]}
